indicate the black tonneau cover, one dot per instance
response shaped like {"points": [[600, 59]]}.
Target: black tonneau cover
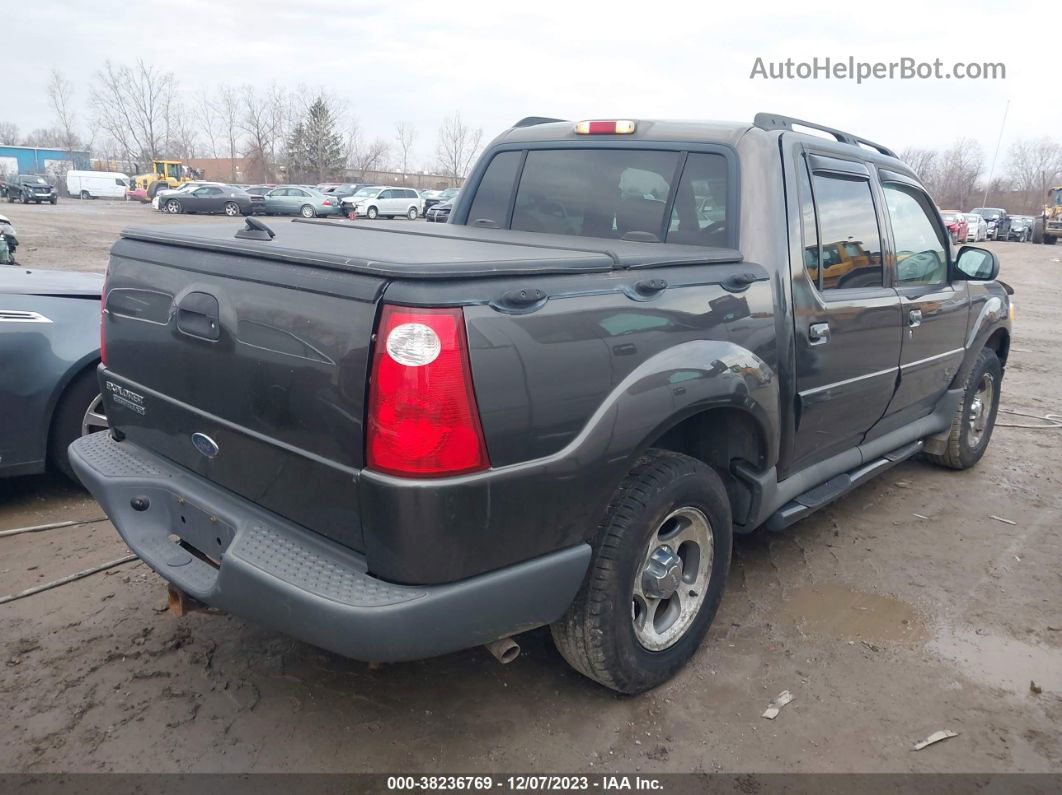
{"points": [[436, 251]]}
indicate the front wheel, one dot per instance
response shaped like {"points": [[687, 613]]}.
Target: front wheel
{"points": [[660, 561], [372, 214], [307, 211], [232, 209], [173, 206], [85, 194], [975, 417]]}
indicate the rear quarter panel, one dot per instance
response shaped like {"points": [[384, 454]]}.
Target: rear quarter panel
{"points": [[37, 362]]}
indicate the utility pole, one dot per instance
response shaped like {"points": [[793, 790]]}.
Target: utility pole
{"points": [[992, 169]]}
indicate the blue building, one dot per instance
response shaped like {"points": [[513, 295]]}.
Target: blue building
{"points": [[40, 160]]}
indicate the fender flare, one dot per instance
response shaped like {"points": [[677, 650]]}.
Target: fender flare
{"points": [[992, 317]]}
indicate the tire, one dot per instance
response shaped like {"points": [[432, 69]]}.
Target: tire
{"points": [[85, 195], [412, 215], [306, 211], [372, 213], [173, 206], [600, 635], [55, 201], [71, 417], [1038, 231], [232, 209], [972, 424], [1049, 240]]}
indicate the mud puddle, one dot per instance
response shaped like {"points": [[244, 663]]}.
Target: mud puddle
{"points": [[841, 612], [999, 661]]}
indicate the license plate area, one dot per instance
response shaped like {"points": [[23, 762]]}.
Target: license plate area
{"points": [[200, 530]]}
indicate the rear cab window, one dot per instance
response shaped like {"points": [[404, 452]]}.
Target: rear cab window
{"points": [[637, 194]]}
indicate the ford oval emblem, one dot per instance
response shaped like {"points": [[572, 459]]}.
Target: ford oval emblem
{"points": [[205, 445]]}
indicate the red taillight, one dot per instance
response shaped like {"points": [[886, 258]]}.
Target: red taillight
{"points": [[103, 334], [326, 203], [422, 418]]}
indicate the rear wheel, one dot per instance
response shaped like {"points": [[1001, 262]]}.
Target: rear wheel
{"points": [[232, 209], [412, 215], [660, 561], [975, 417], [307, 211], [79, 413], [85, 194]]}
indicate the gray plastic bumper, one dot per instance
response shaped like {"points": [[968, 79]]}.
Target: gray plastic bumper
{"points": [[288, 578]]}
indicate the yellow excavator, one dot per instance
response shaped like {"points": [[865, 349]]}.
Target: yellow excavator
{"points": [[1048, 227], [163, 174]]}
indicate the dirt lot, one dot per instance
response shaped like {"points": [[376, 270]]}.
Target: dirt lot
{"points": [[903, 609]]}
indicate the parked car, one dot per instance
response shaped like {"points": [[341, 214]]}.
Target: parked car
{"points": [[187, 187], [440, 212], [28, 188], [957, 225], [299, 200], [49, 332], [398, 445], [210, 199], [1021, 228], [438, 197], [976, 228], [997, 219], [342, 191], [384, 202], [97, 184]]}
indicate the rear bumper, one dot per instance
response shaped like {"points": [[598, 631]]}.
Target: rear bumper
{"points": [[295, 581]]}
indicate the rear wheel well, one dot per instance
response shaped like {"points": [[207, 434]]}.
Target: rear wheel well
{"points": [[719, 437]]}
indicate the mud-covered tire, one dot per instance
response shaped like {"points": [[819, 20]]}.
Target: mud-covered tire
{"points": [[1038, 231], [965, 446], [597, 634]]}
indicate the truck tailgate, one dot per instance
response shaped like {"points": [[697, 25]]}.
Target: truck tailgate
{"points": [[265, 359]]}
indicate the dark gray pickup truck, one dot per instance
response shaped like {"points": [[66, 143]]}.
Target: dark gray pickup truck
{"points": [[632, 340]]}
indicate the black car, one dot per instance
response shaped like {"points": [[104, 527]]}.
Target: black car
{"points": [[397, 443], [439, 213], [998, 221], [1021, 228], [28, 188], [213, 199], [449, 194]]}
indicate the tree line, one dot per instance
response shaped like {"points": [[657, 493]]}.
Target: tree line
{"points": [[960, 177], [136, 113]]}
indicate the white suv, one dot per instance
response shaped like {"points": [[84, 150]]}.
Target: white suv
{"points": [[387, 202]]}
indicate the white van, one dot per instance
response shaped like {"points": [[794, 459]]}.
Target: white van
{"points": [[97, 184]]}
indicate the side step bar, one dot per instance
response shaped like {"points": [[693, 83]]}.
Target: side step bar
{"points": [[825, 493]]}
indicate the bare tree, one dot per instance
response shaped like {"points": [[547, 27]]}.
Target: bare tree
{"points": [[1034, 166], [210, 122], [50, 137], [132, 106], [262, 118], [369, 157], [406, 136], [922, 162], [182, 139], [61, 94], [457, 147], [8, 132]]}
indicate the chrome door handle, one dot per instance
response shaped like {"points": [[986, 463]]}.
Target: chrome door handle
{"points": [[914, 318], [819, 333]]}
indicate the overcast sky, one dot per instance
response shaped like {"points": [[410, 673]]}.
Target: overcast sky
{"points": [[417, 61]]}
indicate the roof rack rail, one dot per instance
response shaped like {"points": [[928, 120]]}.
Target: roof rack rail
{"points": [[776, 121], [531, 121]]}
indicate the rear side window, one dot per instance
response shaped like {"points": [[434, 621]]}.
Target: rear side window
{"points": [[490, 207], [850, 243]]}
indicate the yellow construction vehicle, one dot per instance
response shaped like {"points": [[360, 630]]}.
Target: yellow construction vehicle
{"points": [[1048, 227], [163, 174]]}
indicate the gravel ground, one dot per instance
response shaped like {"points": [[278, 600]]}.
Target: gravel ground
{"points": [[900, 610]]}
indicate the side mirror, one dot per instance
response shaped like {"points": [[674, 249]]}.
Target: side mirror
{"points": [[976, 264]]}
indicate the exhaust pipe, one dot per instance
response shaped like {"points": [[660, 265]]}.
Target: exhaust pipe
{"points": [[504, 650]]}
